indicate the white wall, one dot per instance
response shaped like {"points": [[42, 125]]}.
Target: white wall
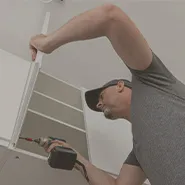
{"points": [[161, 22], [20, 19], [91, 63], [13, 78]]}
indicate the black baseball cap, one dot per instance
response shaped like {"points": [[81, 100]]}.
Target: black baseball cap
{"points": [[92, 96]]}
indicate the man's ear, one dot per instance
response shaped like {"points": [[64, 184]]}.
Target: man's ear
{"points": [[120, 86]]}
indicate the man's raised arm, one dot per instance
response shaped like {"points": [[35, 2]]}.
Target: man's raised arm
{"points": [[107, 20]]}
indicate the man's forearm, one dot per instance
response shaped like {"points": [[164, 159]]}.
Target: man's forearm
{"points": [[88, 25], [95, 175]]}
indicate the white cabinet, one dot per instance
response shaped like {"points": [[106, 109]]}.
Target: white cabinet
{"points": [[35, 104], [14, 73], [17, 80]]}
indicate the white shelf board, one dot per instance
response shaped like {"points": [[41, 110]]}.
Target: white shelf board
{"points": [[30, 154], [57, 121], [55, 110], [4, 142], [60, 80], [58, 101], [58, 90]]}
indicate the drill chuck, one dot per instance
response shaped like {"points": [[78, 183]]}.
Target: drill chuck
{"points": [[46, 141], [42, 141]]}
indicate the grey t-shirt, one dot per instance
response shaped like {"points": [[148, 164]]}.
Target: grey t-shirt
{"points": [[158, 124]]}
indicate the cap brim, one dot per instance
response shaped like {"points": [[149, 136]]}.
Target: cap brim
{"points": [[92, 98]]}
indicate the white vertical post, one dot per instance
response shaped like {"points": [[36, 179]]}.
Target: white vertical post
{"points": [[44, 31], [32, 77]]}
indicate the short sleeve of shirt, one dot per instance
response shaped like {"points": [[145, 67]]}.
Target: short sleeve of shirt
{"points": [[131, 159], [155, 75]]}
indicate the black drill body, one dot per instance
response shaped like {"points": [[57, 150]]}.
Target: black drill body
{"points": [[60, 157]]}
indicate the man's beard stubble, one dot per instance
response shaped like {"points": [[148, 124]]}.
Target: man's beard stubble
{"points": [[108, 114]]}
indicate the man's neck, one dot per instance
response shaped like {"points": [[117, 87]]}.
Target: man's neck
{"points": [[127, 114]]}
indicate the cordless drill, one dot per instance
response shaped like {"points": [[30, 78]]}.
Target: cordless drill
{"points": [[60, 157]]}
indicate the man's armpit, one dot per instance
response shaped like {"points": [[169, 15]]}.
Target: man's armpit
{"points": [[132, 160]]}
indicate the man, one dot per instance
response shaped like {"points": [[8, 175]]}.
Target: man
{"points": [[154, 102]]}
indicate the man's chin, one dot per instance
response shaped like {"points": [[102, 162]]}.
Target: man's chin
{"points": [[108, 114], [110, 117]]}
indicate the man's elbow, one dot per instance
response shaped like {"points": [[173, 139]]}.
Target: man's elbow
{"points": [[108, 7], [112, 14], [110, 10]]}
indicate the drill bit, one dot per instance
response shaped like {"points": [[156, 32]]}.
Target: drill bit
{"points": [[27, 139], [40, 141]]}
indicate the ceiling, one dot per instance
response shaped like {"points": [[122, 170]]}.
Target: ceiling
{"points": [[90, 63]]}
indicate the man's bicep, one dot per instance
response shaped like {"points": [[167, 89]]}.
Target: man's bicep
{"points": [[130, 175], [127, 41], [131, 172]]}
